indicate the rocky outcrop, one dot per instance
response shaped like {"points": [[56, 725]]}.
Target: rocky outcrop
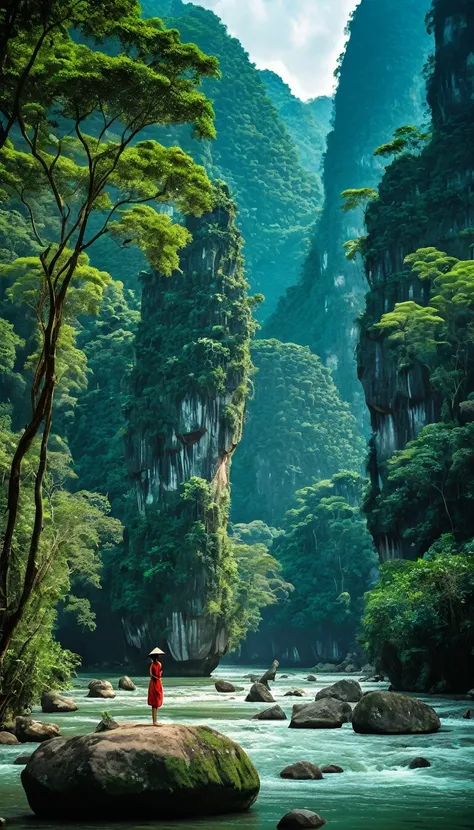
{"points": [[323, 714], [52, 702], [389, 713], [131, 772], [302, 771], [348, 691], [407, 216], [28, 730], [189, 391]]}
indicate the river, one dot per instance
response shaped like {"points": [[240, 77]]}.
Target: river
{"points": [[377, 790]]}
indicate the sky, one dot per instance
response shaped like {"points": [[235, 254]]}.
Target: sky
{"points": [[301, 40]]}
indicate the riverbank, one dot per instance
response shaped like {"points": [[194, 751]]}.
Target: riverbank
{"points": [[377, 790]]}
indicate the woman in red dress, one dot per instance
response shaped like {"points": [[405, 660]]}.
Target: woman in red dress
{"points": [[155, 689]]}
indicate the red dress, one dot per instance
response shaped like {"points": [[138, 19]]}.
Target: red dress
{"points": [[155, 689]]}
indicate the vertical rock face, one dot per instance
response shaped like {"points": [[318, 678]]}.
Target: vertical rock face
{"points": [[380, 88], [425, 199], [184, 422]]}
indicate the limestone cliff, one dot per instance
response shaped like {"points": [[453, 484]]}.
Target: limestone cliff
{"points": [[425, 199], [380, 87], [184, 422]]}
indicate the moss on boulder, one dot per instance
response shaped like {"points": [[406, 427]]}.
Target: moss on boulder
{"points": [[388, 713], [134, 771]]}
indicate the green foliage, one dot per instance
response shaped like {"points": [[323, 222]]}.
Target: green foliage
{"points": [[275, 195], [327, 554], [77, 531], [298, 431], [406, 139], [418, 623], [360, 197]]}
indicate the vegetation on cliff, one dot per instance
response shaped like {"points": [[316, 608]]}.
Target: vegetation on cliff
{"points": [[297, 432]]}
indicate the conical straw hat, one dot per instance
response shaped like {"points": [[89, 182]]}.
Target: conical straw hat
{"points": [[155, 652]]}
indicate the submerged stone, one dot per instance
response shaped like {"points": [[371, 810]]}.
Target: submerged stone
{"points": [[302, 771], [300, 818]]}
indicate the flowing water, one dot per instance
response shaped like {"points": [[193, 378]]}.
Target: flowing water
{"points": [[377, 790]]}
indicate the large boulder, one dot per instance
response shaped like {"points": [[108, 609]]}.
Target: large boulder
{"points": [[32, 731], [299, 819], [140, 772], [274, 713], [101, 688], [52, 702], [349, 691], [302, 771], [7, 739], [389, 713], [322, 714], [224, 687], [260, 694], [126, 684]]}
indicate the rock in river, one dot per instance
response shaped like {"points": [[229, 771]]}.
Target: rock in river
{"points": [[101, 688], [224, 686], [139, 772], [390, 713], [323, 714], [274, 713], [295, 693], [126, 684], [419, 763], [52, 702], [28, 730], [302, 771], [260, 694], [300, 818], [331, 768], [7, 739], [349, 691]]}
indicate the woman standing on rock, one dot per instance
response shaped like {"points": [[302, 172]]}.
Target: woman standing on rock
{"points": [[155, 689]]}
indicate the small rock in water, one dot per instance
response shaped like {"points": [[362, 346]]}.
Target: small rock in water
{"points": [[274, 713], [22, 760], [331, 768], [300, 818], [284, 676], [311, 678], [106, 724], [467, 715], [126, 684], [53, 702], [32, 731], [295, 693], [7, 739], [419, 763], [344, 690], [471, 694], [260, 694], [101, 688], [302, 771], [224, 686]]}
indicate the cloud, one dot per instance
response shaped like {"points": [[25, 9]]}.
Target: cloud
{"points": [[299, 39]]}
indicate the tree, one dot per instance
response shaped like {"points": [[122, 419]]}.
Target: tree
{"points": [[75, 116]]}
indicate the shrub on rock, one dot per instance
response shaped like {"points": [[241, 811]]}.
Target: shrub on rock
{"points": [[390, 713], [132, 772]]}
